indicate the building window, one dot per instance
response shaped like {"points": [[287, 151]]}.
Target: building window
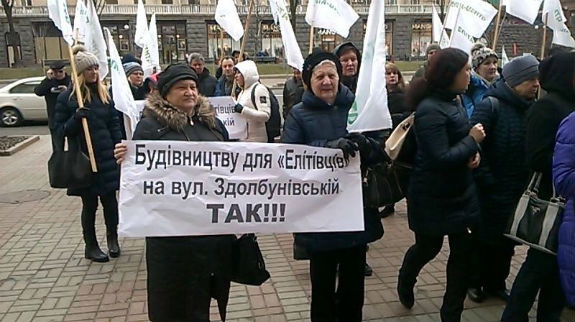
{"points": [[420, 38], [120, 31], [172, 43], [48, 42], [215, 42], [388, 36], [327, 39], [271, 40], [194, 2], [167, 1], [111, 1]]}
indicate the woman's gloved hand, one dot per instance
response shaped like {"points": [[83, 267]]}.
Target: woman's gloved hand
{"points": [[346, 145]]}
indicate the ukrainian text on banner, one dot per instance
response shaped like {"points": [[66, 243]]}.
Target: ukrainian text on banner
{"points": [[171, 188], [236, 125]]}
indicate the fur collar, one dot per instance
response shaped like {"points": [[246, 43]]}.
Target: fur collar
{"points": [[158, 108]]}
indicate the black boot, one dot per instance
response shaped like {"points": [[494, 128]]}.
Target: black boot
{"points": [[405, 292], [93, 251], [113, 246]]}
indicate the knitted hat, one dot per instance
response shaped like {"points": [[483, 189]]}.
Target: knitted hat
{"points": [[481, 54], [84, 59], [172, 74], [132, 67], [313, 59], [520, 69], [432, 46], [130, 58]]}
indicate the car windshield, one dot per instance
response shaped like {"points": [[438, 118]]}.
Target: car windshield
{"points": [[24, 88]]}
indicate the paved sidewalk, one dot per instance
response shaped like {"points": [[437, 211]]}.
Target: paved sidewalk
{"points": [[44, 276]]}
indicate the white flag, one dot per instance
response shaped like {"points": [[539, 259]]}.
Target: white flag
{"points": [[227, 17], [142, 35], [370, 111], [153, 46], [461, 39], [58, 12], [292, 52], [94, 39], [475, 16], [335, 15], [556, 21], [121, 92], [526, 10], [80, 18], [439, 34], [504, 58]]}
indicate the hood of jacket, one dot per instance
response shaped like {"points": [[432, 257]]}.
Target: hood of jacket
{"points": [[349, 81], [344, 98], [557, 74], [172, 117], [250, 72], [505, 94]]}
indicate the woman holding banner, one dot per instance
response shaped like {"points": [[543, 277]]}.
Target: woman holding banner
{"points": [[184, 272], [442, 199], [105, 131], [321, 120]]}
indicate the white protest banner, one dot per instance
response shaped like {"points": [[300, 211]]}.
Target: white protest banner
{"points": [[176, 188], [439, 35], [504, 58], [94, 40], [80, 19], [153, 47], [461, 39], [476, 15], [292, 51], [335, 15], [370, 111], [58, 12], [141, 37], [227, 17], [556, 21], [236, 125], [121, 92], [526, 10]]}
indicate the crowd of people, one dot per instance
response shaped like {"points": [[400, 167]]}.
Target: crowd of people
{"points": [[480, 132]]}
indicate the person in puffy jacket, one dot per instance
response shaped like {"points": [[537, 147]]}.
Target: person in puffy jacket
{"points": [[484, 62], [321, 120], [257, 111], [539, 272], [564, 179], [206, 82], [184, 272], [442, 198], [104, 125]]}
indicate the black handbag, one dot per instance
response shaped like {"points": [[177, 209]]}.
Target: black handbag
{"points": [[536, 221], [385, 183], [69, 169], [249, 264]]}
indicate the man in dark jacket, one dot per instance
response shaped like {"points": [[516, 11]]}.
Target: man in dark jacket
{"points": [[226, 81], [540, 272], [206, 82], [429, 52], [503, 173], [350, 59], [293, 91], [56, 82]]}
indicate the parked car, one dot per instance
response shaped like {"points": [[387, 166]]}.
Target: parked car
{"points": [[18, 102]]}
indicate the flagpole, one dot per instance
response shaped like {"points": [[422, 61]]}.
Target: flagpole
{"points": [[311, 38], [498, 19], [243, 43], [81, 105], [222, 41], [544, 36], [442, 28]]}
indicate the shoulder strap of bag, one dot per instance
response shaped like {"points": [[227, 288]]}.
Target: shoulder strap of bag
{"points": [[253, 95]]}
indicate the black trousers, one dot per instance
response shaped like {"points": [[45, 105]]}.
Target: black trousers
{"points": [[498, 254], [539, 273], [458, 265], [345, 304], [89, 207]]}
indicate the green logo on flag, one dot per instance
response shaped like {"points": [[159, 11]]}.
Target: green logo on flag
{"points": [[352, 114]]}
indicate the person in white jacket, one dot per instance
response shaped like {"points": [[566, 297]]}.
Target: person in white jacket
{"points": [[248, 78]]}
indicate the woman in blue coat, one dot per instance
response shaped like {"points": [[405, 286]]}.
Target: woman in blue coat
{"points": [[105, 132], [321, 120], [564, 180]]}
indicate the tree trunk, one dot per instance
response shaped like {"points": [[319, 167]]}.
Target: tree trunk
{"points": [[12, 35]]}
